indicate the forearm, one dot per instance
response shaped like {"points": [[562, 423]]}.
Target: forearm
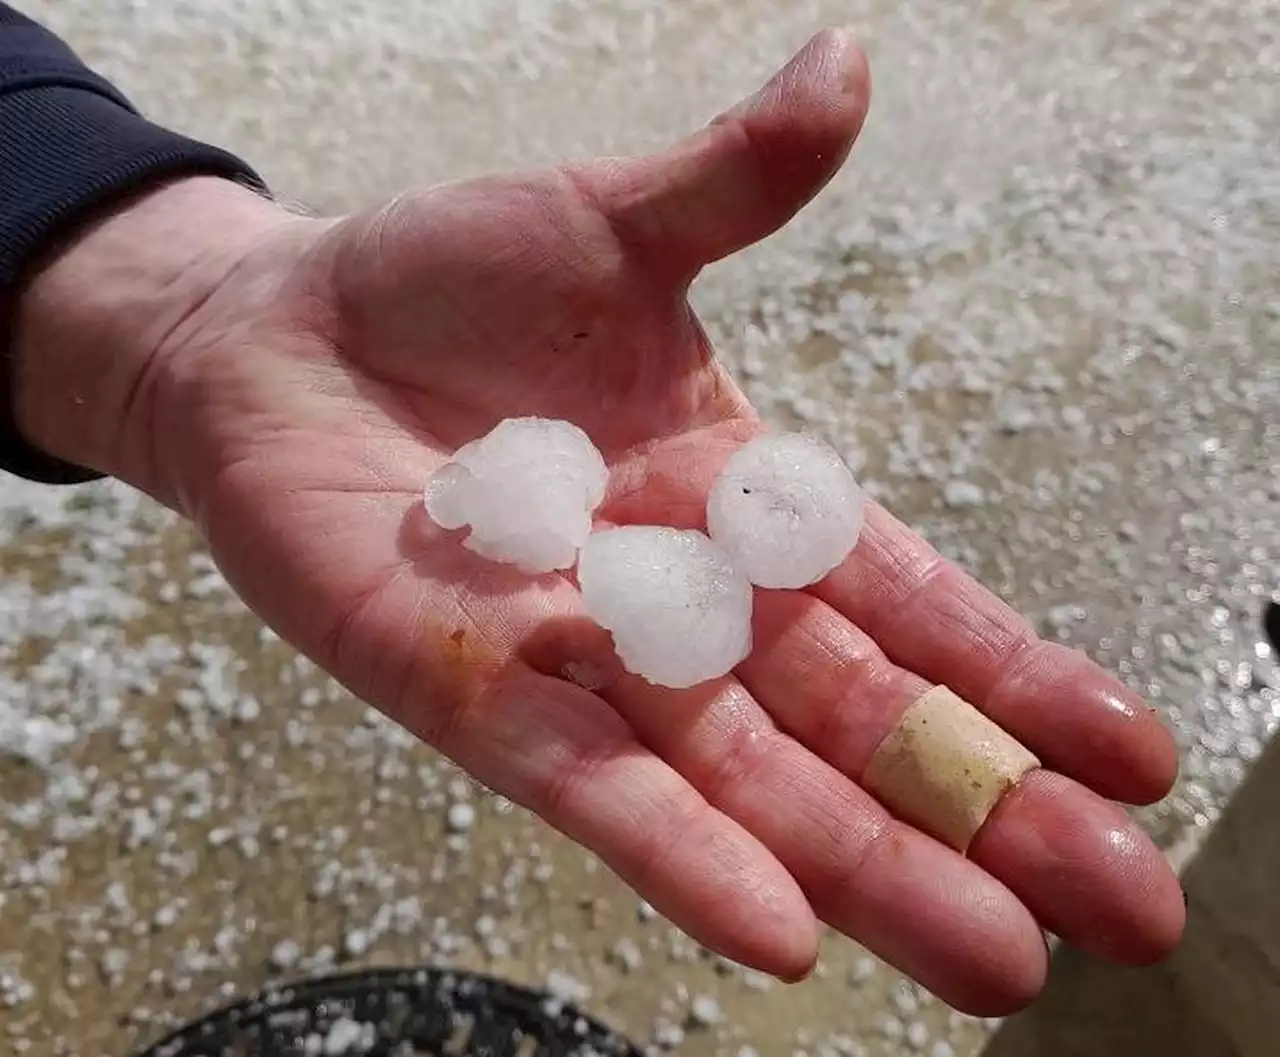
{"points": [[98, 314], [94, 260]]}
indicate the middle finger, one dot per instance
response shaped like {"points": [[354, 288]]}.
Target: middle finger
{"points": [[913, 901], [1092, 877]]}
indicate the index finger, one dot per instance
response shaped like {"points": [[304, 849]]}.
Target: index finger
{"points": [[930, 617]]}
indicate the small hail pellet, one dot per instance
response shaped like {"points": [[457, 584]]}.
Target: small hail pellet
{"points": [[786, 509], [526, 490], [678, 609]]}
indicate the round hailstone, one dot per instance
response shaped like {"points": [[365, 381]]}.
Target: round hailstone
{"points": [[786, 509], [678, 608], [527, 490]]}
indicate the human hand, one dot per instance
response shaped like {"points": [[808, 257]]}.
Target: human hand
{"points": [[293, 384]]}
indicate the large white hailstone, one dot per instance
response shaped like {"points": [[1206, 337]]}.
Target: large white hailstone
{"points": [[678, 608], [527, 490], [786, 509]]}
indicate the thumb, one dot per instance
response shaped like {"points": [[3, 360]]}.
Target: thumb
{"points": [[747, 173]]}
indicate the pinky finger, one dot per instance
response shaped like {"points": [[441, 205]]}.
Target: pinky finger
{"points": [[562, 752]]}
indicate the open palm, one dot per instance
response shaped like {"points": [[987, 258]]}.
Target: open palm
{"points": [[343, 362]]}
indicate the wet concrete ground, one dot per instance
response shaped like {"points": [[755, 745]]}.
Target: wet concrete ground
{"points": [[1038, 311]]}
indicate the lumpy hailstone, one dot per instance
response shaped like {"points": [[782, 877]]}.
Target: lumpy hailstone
{"points": [[786, 509], [678, 608], [526, 489]]}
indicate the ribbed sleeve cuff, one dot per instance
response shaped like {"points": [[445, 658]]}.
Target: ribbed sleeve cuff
{"points": [[68, 150]]}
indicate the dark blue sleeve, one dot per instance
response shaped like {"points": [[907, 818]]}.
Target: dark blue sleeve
{"points": [[70, 144]]}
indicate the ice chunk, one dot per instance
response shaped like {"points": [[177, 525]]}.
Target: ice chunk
{"points": [[786, 509], [526, 489], [678, 608]]}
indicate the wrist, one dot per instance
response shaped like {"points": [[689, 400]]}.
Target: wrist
{"points": [[96, 320]]}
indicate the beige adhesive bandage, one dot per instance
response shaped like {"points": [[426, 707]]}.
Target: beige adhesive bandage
{"points": [[945, 766]]}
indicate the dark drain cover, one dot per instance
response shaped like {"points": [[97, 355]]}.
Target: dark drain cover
{"points": [[396, 1013]]}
